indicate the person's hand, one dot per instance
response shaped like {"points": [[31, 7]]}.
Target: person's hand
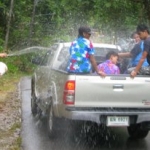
{"points": [[101, 73], [133, 74], [3, 54]]}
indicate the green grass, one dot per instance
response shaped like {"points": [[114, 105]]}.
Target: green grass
{"points": [[8, 85], [15, 126], [17, 144]]}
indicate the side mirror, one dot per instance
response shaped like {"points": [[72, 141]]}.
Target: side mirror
{"points": [[36, 60]]}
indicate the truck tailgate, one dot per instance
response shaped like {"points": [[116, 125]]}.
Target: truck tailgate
{"points": [[112, 91]]}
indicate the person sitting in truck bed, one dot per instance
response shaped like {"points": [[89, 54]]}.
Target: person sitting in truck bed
{"points": [[82, 54], [109, 66], [144, 34], [136, 52]]}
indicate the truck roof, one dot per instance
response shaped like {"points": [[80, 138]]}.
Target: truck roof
{"points": [[67, 44]]}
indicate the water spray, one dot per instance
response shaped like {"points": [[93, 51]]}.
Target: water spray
{"points": [[29, 50]]}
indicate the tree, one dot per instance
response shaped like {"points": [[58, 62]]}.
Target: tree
{"points": [[40, 23], [8, 25], [145, 11]]}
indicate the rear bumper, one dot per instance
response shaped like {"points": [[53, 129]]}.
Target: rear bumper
{"points": [[99, 115]]}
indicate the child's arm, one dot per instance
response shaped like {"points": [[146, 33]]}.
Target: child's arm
{"points": [[3, 54]]}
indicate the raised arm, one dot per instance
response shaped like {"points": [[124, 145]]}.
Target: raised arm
{"points": [[3, 55], [125, 55], [94, 64]]}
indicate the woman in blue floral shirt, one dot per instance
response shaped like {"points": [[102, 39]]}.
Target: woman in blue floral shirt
{"points": [[82, 54]]}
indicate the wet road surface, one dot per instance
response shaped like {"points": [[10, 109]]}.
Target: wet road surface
{"points": [[34, 133]]}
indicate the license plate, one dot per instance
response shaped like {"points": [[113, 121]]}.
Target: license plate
{"points": [[117, 121]]}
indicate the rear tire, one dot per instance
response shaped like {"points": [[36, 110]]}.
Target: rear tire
{"points": [[52, 122], [33, 101], [136, 132]]}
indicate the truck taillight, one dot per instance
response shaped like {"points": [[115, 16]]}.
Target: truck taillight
{"points": [[69, 92]]}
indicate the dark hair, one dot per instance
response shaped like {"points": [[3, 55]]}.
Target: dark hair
{"points": [[142, 27], [111, 53], [83, 29]]}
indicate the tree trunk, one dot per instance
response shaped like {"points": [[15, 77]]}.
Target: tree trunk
{"points": [[8, 25], [147, 9], [32, 22]]}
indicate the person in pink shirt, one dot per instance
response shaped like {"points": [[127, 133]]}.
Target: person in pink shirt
{"points": [[109, 66]]}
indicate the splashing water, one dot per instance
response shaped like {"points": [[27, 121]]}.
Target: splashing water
{"points": [[29, 50], [126, 44]]}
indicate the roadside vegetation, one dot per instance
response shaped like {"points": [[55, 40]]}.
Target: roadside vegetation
{"points": [[10, 103], [10, 112], [18, 66]]}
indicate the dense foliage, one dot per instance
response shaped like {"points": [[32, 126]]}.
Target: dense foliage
{"points": [[40, 22], [19, 64]]}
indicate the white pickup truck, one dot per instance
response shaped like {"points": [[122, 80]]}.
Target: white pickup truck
{"points": [[116, 100]]}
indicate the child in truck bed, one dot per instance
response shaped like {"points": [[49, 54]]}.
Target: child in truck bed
{"points": [[109, 66]]}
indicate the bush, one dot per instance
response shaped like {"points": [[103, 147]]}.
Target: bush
{"points": [[22, 63]]}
